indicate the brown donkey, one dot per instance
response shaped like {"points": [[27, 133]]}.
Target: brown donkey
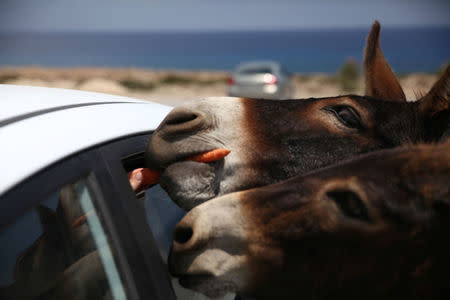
{"points": [[375, 227], [275, 140]]}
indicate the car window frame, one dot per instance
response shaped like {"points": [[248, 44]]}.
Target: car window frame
{"points": [[113, 155], [129, 235]]}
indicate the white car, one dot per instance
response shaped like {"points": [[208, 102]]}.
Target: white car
{"points": [[71, 227]]}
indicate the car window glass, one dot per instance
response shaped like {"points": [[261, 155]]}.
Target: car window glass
{"points": [[162, 215], [59, 250], [250, 71]]}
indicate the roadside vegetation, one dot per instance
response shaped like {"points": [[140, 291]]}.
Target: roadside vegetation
{"points": [[171, 79], [348, 76]]}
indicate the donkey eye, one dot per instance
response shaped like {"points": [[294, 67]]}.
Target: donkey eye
{"points": [[350, 204], [346, 115]]}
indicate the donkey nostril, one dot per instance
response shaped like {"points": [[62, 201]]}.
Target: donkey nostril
{"points": [[180, 118], [183, 234]]}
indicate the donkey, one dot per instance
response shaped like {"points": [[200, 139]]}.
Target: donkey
{"points": [[375, 227], [274, 140]]}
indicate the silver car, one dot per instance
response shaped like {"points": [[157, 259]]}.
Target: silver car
{"points": [[265, 79]]}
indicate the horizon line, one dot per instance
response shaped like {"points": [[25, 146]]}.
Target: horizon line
{"points": [[249, 30]]}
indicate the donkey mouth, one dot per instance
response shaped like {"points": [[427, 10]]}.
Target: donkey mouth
{"points": [[192, 178], [159, 161], [192, 281], [207, 284], [209, 156], [190, 183]]}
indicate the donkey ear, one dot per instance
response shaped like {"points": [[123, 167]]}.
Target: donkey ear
{"points": [[379, 78], [437, 99], [435, 108]]}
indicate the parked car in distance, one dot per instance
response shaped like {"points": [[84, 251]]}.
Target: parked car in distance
{"points": [[264, 79], [71, 226]]}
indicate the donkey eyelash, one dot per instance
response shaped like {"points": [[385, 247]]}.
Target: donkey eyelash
{"points": [[347, 115]]}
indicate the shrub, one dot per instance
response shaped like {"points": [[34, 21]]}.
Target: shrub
{"points": [[136, 84], [348, 75], [176, 79], [442, 68], [7, 77]]}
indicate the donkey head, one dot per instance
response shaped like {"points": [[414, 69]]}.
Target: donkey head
{"points": [[372, 227], [274, 140]]}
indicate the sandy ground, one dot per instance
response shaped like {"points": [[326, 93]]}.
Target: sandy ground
{"points": [[175, 87]]}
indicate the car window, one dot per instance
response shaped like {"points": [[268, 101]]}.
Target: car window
{"points": [[58, 249], [162, 215], [255, 70]]}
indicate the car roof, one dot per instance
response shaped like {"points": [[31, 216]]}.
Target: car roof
{"points": [[44, 125], [36, 99]]}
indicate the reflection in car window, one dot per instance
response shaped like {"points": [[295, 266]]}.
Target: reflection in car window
{"points": [[162, 215], [59, 250]]}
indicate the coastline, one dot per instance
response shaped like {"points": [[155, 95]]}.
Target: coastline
{"points": [[173, 87]]}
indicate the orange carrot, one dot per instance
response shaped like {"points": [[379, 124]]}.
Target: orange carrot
{"points": [[210, 156], [151, 176]]}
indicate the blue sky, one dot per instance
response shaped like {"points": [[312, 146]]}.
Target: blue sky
{"points": [[204, 15]]}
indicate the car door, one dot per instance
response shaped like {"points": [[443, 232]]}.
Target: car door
{"points": [[161, 214], [74, 231]]}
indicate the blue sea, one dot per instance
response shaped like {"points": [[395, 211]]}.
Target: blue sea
{"points": [[408, 50]]}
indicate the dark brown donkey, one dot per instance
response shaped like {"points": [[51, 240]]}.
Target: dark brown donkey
{"points": [[376, 227], [275, 140]]}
